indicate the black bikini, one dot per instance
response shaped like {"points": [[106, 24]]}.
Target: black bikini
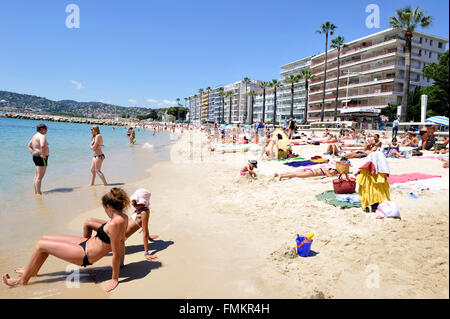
{"points": [[103, 236]]}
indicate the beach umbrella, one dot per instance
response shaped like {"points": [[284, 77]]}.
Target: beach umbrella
{"points": [[440, 120]]}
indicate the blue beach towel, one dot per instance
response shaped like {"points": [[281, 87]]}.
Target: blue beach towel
{"points": [[301, 163]]}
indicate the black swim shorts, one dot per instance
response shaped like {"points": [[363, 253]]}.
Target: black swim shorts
{"points": [[39, 161]]}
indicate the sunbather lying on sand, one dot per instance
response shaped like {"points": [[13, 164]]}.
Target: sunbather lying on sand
{"points": [[308, 172]]}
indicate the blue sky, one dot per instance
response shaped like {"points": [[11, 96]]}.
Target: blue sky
{"points": [[148, 53]]}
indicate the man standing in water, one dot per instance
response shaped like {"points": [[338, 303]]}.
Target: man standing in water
{"points": [[38, 147]]}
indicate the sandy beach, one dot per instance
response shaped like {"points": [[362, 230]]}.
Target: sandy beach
{"points": [[223, 235]]}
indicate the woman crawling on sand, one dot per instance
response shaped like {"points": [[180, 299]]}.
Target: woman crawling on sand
{"points": [[84, 251], [139, 219], [308, 172]]}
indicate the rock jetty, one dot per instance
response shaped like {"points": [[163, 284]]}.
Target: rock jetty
{"points": [[68, 119]]}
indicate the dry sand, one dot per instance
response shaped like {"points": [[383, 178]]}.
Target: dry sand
{"points": [[227, 236]]}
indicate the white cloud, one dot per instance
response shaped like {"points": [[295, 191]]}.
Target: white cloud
{"points": [[167, 103], [78, 85], [106, 102], [150, 100], [132, 101]]}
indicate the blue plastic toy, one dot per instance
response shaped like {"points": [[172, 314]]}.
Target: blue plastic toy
{"points": [[303, 246]]}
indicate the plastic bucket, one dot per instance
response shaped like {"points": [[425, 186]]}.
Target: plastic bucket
{"points": [[303, 246]]}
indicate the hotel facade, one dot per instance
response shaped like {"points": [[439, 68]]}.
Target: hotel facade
{"points": [[372, 72]]}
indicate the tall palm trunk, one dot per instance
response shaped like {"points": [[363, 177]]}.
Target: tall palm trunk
{"points": [[251, 110], [231, 101], [404, 108], [264, 106], [322, 113], [337, 85], [223, 110], [305, 116], [291, 114], [274, 106]]}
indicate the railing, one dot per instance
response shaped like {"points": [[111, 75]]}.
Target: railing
{"points": [[360, 59], [380, 91]]}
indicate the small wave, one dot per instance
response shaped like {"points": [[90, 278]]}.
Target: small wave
{"points": [[147, 145]]}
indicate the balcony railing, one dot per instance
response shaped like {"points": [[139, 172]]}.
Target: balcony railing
{"points": [[360, 59], [379, 91]]}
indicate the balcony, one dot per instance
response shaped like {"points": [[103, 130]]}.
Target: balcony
{"points": [[374, 93]]}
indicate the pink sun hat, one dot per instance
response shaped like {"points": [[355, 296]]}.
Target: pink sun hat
{"points": [[141, 196]]}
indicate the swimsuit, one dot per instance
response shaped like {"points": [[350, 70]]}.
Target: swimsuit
{"points": [[134, 215], [85, 258], [102, 236], [40, 161], [100, 156], [314, 173], [244, 170]]}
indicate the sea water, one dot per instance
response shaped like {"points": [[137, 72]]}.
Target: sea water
{"points": [[24, 217]]}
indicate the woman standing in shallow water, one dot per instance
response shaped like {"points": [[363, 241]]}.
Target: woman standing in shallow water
{"points": [[99, 157], [84, 251]]}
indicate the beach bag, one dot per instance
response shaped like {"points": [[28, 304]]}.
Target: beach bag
{"points": [[343, 167], [388, 209], [344, 186]]}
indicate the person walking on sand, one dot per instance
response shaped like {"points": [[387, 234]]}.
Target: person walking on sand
{"points": [[99, 157], [38, 147], [291, 127], [395, 127], [82, 251]]}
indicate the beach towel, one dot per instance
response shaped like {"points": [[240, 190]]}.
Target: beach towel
{"points": [[300, 163], [349, 198], [431, 184], [330, 198], [404, 178]]}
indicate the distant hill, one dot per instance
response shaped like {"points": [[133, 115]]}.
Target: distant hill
{"points": [[24, 103]]}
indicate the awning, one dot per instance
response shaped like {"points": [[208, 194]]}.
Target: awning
{"points": [[360, 110]]}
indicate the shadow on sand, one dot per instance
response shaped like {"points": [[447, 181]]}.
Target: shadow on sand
{"points": [[131, 271], [60, 190]]}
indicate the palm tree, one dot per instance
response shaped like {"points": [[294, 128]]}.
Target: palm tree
{"points": [[275, 84], [408, 20], [196, 105], [252, 94], [222, 95], [246, 82], [263, 85], [292, 79], [306, 74], [337, 43], [326, 28], [230, 95]]}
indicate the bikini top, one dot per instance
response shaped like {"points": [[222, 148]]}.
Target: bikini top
{"points": [[102, 235]]}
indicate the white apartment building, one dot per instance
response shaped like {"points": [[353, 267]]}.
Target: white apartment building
{"points": [[372, 71], [208, 106], [284, 96]]}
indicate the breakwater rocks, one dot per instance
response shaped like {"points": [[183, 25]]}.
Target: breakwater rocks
{"points": [[68, 119]]}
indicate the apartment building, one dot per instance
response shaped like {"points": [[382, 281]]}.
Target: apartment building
{"points": [[284, 95], [372, 71], [209, 106]]}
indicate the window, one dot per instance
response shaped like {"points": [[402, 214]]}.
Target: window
{"points": [[440, 45], [431, 42], [430, 55], [438, 56], [420, 41], [420, 52]]}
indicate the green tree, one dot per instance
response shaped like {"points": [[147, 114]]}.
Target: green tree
{"points": [[263, 85], [252, 94], [326, 28], [307, 76], [230, 94], [439, 90], [292, 79], [337, 43], [275, 84], [408, 20], [246, 82], [221, 91]]}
